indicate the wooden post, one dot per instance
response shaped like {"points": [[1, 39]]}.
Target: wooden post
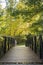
{"points": [[8, 43], [35, 48], [12, 41], [41, 47], [4, 45], [32, 43]]}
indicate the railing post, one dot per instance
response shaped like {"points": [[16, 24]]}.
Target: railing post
{"points": [[35, 47], [32, 43], [4, 45], [8, 43], [13, 41], [41, 47]]}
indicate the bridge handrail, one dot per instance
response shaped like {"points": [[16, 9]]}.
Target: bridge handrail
{"points": [[6, 44], [36, 44]]}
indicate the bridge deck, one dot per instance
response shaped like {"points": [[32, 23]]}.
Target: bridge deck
{"points": [[20, 54]]}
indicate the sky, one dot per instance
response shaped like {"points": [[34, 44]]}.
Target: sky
{"points": [[4, 4]]}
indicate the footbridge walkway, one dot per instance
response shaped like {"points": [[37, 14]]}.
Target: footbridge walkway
{"points": [[21, 54]]}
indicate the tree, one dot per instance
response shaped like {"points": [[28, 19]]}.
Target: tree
{"points": [[23, 17]]}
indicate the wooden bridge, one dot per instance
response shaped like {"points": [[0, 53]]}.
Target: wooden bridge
{"points": [[21, 54]]}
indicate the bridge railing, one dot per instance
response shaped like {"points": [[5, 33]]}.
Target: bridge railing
{"points": [[6, 44], [36, 44]]}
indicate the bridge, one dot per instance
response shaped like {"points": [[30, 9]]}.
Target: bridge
{"points": [[28, 53]]}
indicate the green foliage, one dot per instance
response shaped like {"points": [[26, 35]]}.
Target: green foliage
{"points": [[21, 18]]}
